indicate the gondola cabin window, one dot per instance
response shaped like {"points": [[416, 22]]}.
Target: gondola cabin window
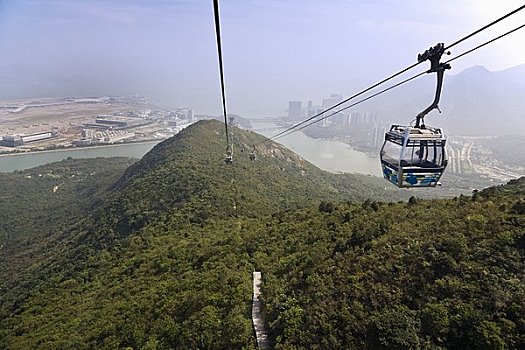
{"points": [[413, 157]]}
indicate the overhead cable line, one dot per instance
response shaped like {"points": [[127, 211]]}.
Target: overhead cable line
{"points": [[299, 126], [354, 104], [229, 147], [219, 51], [342, 102], [485, 27], [486, 43], [400, 83]]}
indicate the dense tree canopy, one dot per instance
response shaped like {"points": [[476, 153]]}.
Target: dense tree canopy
{"points": [[162, 257]]}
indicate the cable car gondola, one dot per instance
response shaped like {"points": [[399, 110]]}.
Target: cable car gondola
{"points": [[229, 157], [415, 156], [253, 155]]}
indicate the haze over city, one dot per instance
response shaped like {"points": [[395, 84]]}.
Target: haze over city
{"points": [[274, 51], [137, 212]]}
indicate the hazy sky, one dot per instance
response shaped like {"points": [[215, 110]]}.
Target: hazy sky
{"points": [[274, 50]]}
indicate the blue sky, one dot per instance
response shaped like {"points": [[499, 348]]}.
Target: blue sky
{"points": [[274, 50]]}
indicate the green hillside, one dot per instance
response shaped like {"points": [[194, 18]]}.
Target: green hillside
{"points": [[162, 259], [188, 170], [40, 205], [442, 274], [187, 176]]}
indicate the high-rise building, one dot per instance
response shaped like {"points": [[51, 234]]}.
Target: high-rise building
{"points": [[310, 110], [295, 109], [333, 100], [329, 103], [190, 115]]}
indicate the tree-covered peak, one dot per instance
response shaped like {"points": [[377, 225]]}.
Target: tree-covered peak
{"points": [[187, 174], [163, 260]]}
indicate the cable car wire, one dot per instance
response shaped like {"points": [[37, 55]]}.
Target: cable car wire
{"points": [[355, 103], [486, 43], [229, 147], [282, 134], [221, 69], [299, 126], [342, 102], [485, 27]]}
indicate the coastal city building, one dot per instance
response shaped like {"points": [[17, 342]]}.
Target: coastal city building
{"points": [[19, 140], [79, 122], [295, 109]]}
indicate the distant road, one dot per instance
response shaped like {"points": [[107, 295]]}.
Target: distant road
{"points": [[269, 128], [261, 120], [23, 107]]}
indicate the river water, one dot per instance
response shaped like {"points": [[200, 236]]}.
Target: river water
{"points": [[328, 155], [333, 156], [29, 160]]}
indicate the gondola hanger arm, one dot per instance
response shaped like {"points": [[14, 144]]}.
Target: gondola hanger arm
{"points": [[433, 54]]}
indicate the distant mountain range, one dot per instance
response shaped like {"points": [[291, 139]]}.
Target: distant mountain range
{"points": [[475, 102]]}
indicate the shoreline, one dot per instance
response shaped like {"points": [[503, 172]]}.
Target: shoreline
{"points": [[69, 149]]}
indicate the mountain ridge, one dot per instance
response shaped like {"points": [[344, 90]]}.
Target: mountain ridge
{"points": [[192, 165], [165, 260], [474, 102]]}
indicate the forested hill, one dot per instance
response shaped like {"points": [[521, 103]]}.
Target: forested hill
{"points": [[39, 206], [188, 173], [163, 259]]}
